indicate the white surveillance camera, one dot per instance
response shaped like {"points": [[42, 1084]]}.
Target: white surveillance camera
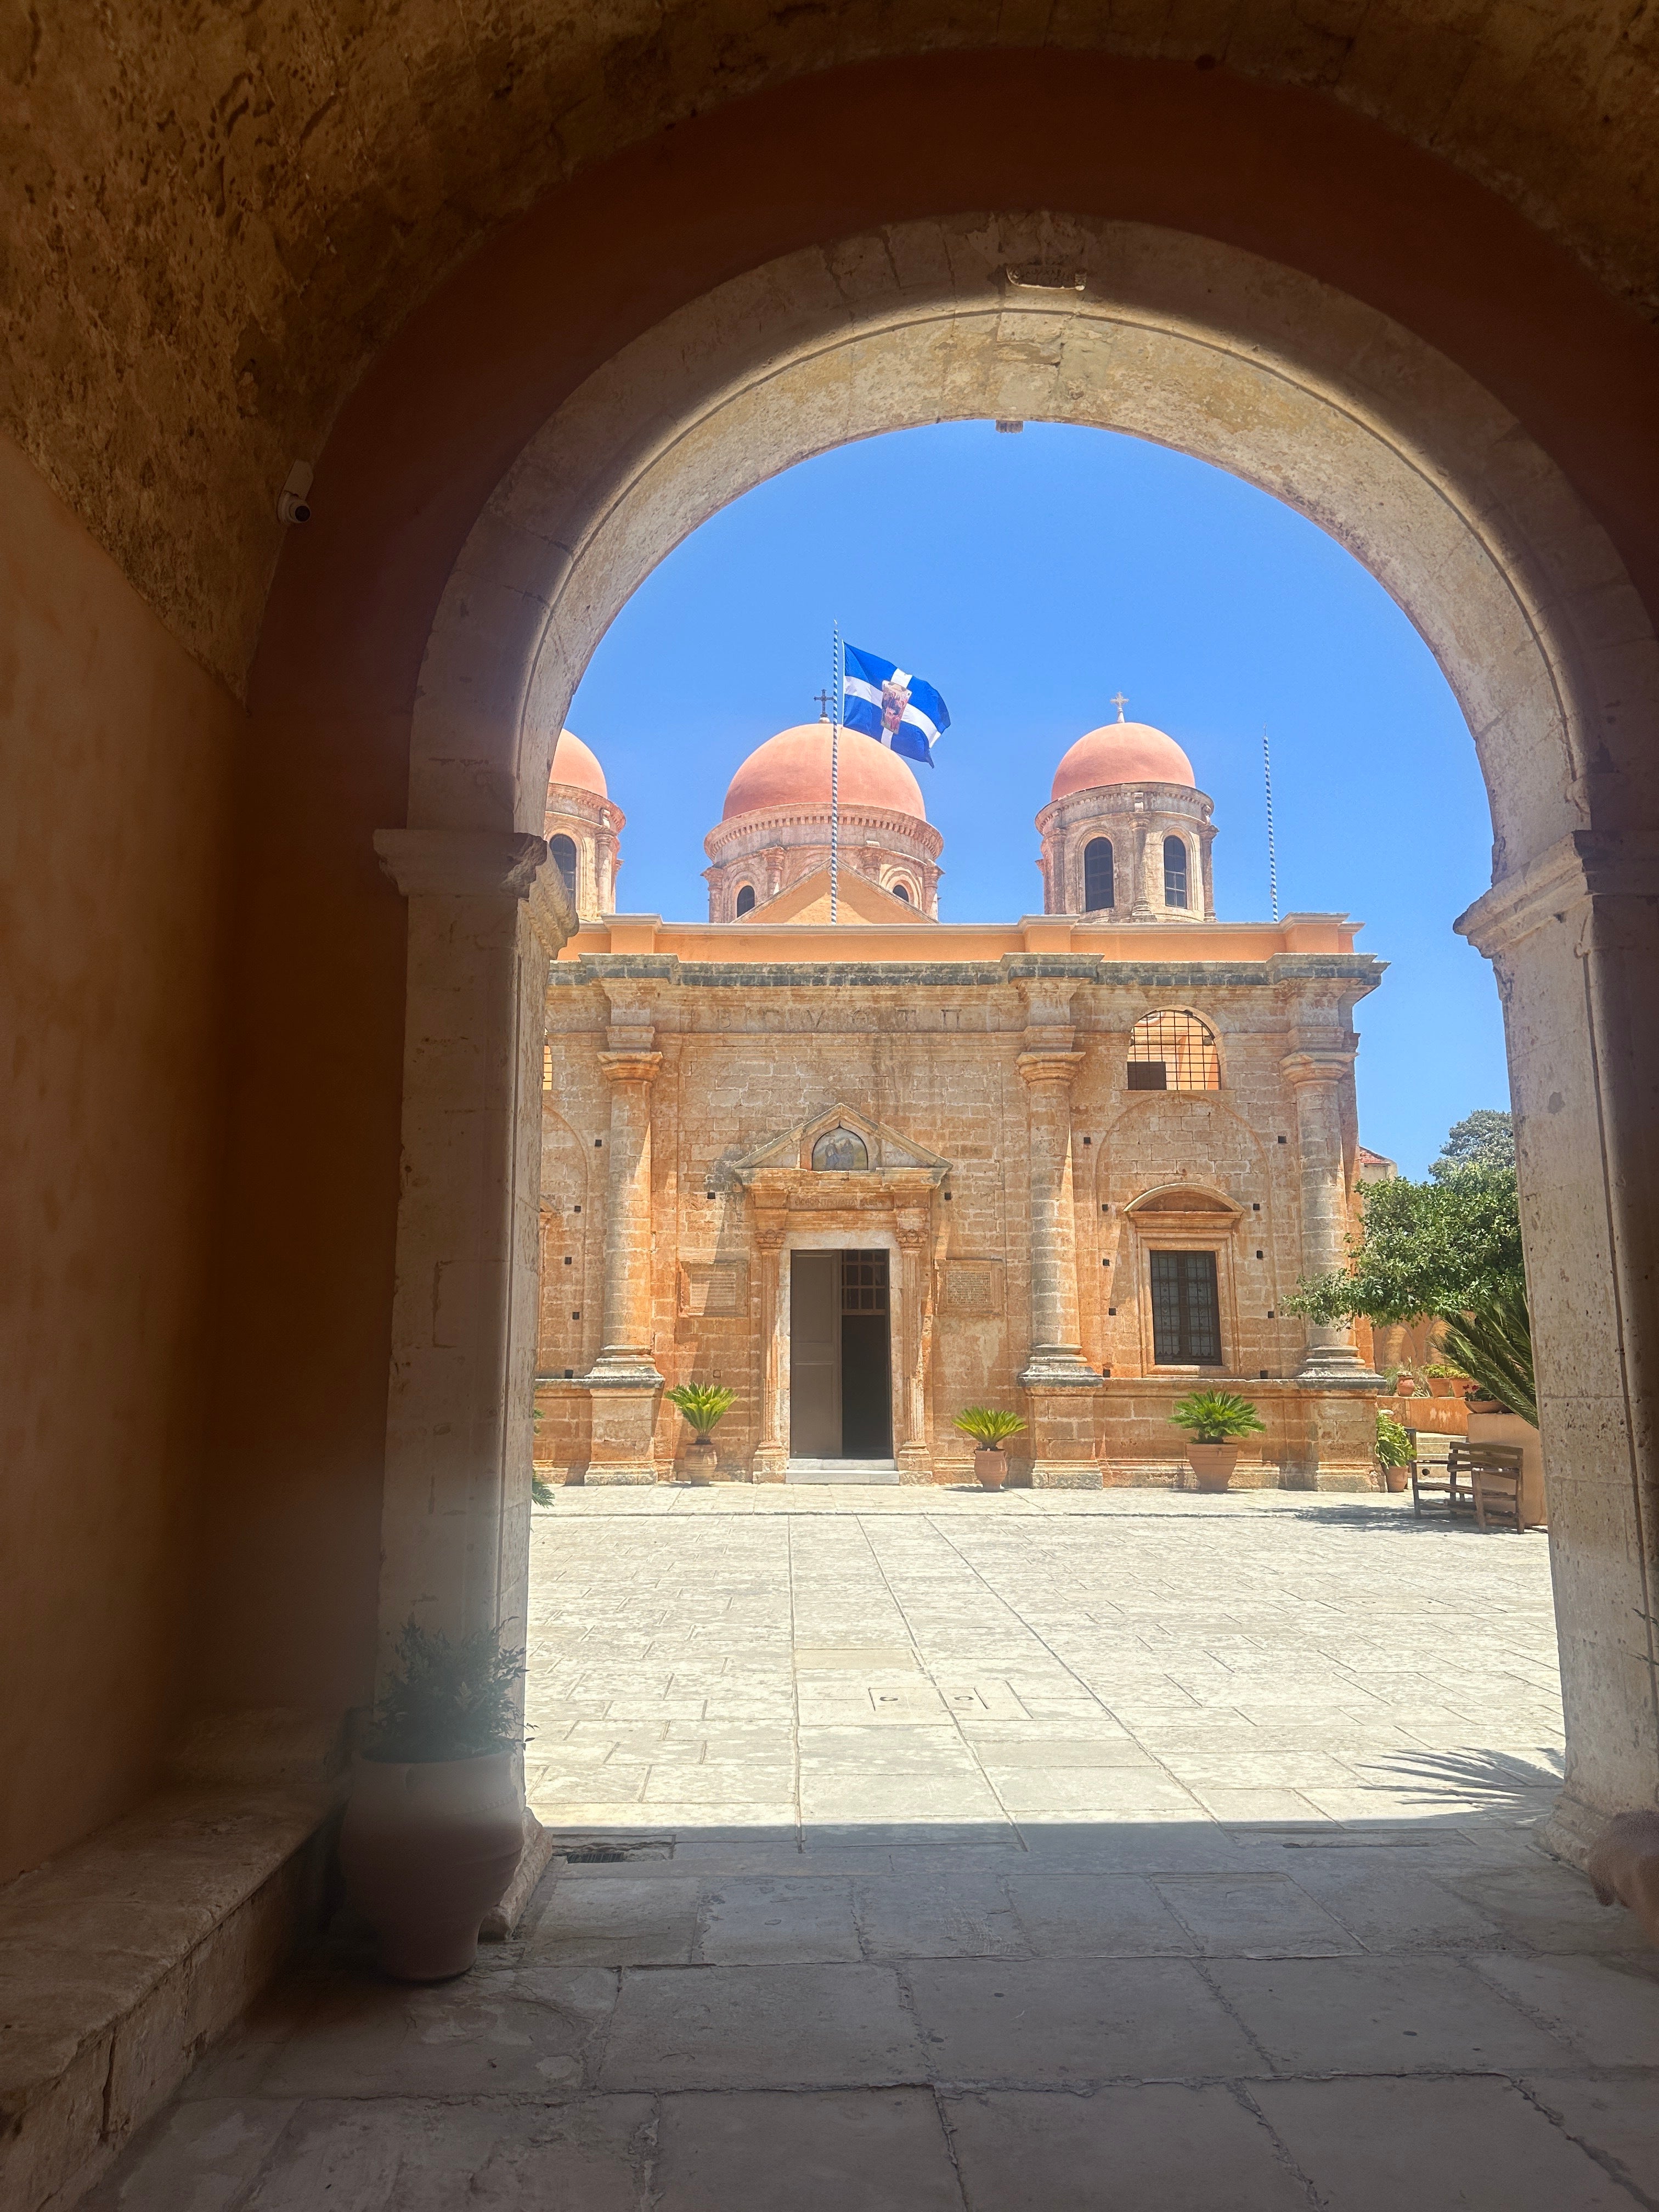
{"points": [[291, 502]]}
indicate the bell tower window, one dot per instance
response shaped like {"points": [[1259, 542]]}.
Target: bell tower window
{"points": [[1097, 875], [901, 891], [562, 852], [1175, 872], [746, 900]]}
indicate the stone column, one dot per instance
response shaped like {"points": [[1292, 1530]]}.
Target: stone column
{"points": [[485, 916], [1316, 1081], [1574, 940], [771, 1458], [910, 1450], [1061, 1388], [1338, 1416], [624, 1380]]}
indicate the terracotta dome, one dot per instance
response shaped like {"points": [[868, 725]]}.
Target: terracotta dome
{"points": [[574, 763], [1123, 752], [793, 769]]}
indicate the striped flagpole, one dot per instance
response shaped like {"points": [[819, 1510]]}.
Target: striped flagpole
{"points": [[834, 778], [1273, 847]]}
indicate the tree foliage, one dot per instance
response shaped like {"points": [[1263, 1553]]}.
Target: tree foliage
{"points": [[1493, 1346], [1485, 1139], [1443, 1247]]}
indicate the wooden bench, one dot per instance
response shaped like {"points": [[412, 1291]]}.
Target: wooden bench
{"points": [[1492, 1474], [1477, 1482]]}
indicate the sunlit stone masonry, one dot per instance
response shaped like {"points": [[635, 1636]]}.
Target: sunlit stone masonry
{"points": [[870, 1171]]}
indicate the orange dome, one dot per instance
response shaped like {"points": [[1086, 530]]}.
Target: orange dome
{"points": [[1121, 752], [574, 763], [793, 769]]}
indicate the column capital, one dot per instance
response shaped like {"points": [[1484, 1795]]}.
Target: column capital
{"points": [[1586, 866], [632, 1066], [1049, 1064], [461, 863], [1326, 1066]]}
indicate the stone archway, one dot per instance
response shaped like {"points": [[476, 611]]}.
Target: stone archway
{"points": [[1299, 389]]}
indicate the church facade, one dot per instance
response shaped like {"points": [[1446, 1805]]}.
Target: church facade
{"points": [[870, 1173]]}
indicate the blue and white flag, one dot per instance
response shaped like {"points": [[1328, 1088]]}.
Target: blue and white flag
{"points": [[888, 704]]}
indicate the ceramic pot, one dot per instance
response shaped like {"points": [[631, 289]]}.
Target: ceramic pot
{"points": [[701, 1459], [991, 1468], [1212, 1465], [427, 1848], [1397, 1478]]}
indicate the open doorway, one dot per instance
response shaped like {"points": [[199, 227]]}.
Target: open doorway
{"points": [[840, 1363]]}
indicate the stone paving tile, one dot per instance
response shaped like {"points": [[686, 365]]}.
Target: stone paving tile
{"points": [[633, 1922], [760, 2027], [1479, 2145], [1253, 1916], [749, 1921], [938, 1916], [1607, 2011], [1382, 2016], [1061, 2023], [1614, 2116], [1116, 1916], [1120, 2150], [847, 2151]]}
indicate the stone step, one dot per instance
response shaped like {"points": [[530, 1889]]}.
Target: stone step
{"points": [[842, 1470]]}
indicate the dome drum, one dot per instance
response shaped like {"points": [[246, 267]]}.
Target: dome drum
{"points": [[1141, 825], [583, 828]]}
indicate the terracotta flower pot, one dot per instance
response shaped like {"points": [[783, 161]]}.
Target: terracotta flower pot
{"points": [[426, 1850], [991, 1468], [1397, 1478], [1212, 1465], [702, 1459]]}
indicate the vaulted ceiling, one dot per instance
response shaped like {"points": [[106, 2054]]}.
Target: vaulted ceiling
{"points": [[217, 214]]}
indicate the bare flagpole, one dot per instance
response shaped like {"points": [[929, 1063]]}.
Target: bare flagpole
{"points": [[834, 778], [1272, 851]]}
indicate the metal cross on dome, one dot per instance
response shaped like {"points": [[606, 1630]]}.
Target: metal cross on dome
{"points": [[1119, 702]]}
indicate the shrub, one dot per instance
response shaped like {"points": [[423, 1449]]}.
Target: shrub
{"points": [[447, 1700], [988, 1426], [703, 1404], [541, 1490], [1216, 1417], [1394, 1446]]}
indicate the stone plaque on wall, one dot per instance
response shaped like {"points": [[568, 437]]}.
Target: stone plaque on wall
{"points": [[973, 1287], [713, 1286]]}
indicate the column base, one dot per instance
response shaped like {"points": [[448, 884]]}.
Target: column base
{"points": [[1335, 1367], [915, 1463], [770, 1464], [623, 1418], [1063, 1399]]}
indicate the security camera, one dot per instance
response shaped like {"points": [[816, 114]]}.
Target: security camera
{"points": [[291, 503]]}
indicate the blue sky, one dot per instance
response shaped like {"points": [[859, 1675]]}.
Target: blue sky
{"points": [[1029, 577]]}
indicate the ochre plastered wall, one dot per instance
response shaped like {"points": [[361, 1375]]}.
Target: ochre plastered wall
{"points": [[116, 756]]}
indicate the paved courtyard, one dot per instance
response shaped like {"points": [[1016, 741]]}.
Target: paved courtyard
{"points": [[1024, 1854]]}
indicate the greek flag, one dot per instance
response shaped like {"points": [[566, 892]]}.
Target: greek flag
{"points": [[888, 704]]}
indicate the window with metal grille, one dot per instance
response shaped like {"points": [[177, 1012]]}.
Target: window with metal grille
{"points": [[562, 851], [1175, 872], [746, 900], [1173, 1051], [864, 1282], [1186, 1310], [1097, 875]]}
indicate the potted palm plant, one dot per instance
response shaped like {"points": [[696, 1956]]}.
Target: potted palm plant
{"points": [[990, 1430], [434, 1825], [1215, 1421], [703, 1405], [1393, 1451]]}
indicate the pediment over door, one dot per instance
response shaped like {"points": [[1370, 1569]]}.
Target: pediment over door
{"points": [[839, 1157]]}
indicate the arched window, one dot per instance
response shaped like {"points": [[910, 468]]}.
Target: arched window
{"points": [[839, 1150], [745, 901], [563, 853], [1175, 872], [902, 891], [1173, 1051], [1097, 875]]}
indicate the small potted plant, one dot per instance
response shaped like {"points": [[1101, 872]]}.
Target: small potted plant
{"points": [[1215, 1421], [1393, 1451], [990, 1430], [435, 1822], [703, 1405]]}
